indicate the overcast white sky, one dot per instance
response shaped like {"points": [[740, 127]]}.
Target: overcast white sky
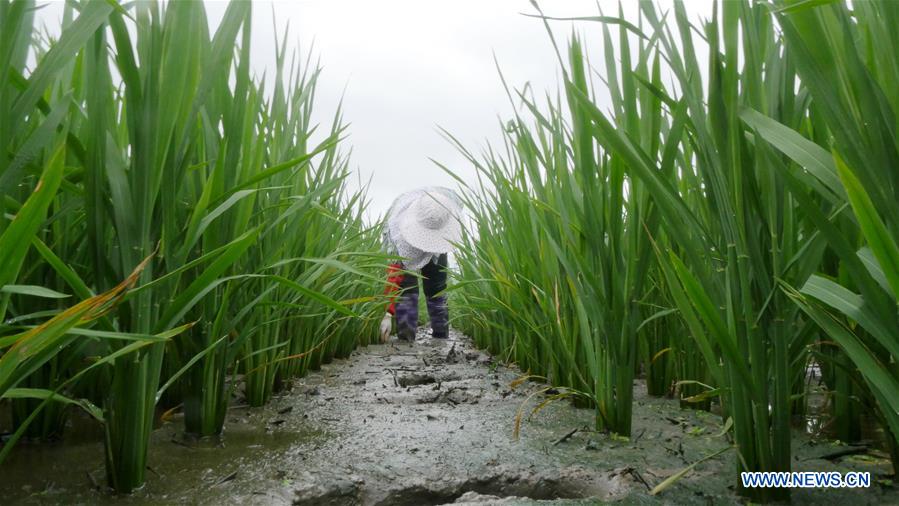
{"points": [[409, 66]]}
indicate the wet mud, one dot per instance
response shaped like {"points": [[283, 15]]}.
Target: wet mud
{"points": [[421, 424]]}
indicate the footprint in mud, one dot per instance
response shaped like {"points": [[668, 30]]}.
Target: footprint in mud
{"points": [[453, 396], [416, 379]]}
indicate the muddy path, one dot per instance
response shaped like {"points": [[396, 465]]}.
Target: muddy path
{"points": [[419, 424]]}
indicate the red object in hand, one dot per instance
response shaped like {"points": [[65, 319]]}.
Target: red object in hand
{"points": [[394, 278]]}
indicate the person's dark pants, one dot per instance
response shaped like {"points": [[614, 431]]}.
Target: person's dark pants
{"points": [[433, 276]]}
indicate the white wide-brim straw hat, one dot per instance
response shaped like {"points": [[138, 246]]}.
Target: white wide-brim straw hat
{"points": [[431, 223]]}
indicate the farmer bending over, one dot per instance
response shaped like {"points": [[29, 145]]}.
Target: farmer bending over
{"points": [[421, 227]]}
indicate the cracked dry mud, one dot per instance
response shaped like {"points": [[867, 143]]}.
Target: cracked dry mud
{"points": [[418, 424]]}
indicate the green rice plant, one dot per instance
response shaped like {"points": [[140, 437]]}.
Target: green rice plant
{"points": [[22, 356], [562, 251], [169, 152], [27, 351], [295, 330], [244, 198], [659, 355], [51, 422], [509, 298], [737, 231], [308, 287], [617, 219], [31, 290], [741, 237], [30, 300], [657, 360], [852, 86], [168, 72], [846, 391]]}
